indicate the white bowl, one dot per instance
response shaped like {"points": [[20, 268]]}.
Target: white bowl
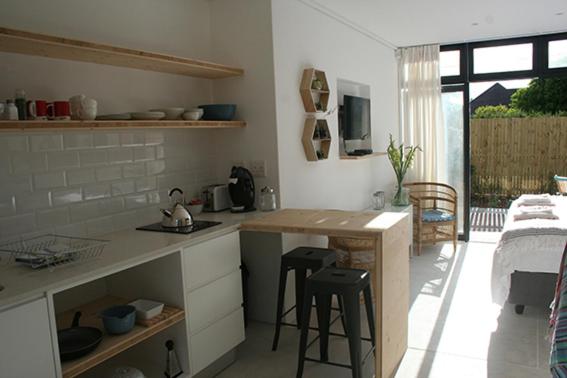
{"points": [[200, 110], [146, 309], [170, 113], [194, 116]]}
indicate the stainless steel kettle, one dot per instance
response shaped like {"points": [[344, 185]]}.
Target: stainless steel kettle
{"points": [[178, 215]]}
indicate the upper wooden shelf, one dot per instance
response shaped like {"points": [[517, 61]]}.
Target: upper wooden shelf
{"points": [[83, 125], [23, 42], [349, 157]]}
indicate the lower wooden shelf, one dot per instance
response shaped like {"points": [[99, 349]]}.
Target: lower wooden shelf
{"points": [[82, 125], [111, 345], [349, 157]]}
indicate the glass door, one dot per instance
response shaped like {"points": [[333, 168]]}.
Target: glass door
{"points": [[456, 116]]}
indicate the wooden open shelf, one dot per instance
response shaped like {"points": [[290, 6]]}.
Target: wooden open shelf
{"points": [[313, 141], [111, 345], [23, 42], [312, 96], [348, 157], [82, 125]]}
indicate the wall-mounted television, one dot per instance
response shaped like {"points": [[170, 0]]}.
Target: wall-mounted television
{"points": [[355, 117]]}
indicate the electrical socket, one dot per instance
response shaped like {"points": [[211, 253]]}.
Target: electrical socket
{"points": [[258, 168]]}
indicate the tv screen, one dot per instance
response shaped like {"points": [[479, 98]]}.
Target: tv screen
{"points": [[356, 117]]}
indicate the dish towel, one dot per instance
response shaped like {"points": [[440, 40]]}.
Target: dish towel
{"points": [[535, 200]]}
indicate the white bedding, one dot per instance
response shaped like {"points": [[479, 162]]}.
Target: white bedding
{"points": [[533, 245]]}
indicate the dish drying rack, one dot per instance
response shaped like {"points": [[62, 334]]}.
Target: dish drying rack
{"points": [[52, 250]]}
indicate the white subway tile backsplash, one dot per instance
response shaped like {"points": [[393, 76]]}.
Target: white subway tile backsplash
{"points": [[53, 217], [108, 173], [155, 167], [81, 176], [12, 143], [144, 153], [154, 137], [28, 162], [123, 187], [89, 158], [77, 141], [46, 142], [84, 211], [30, 201], [7, 205], [105, 140], [132, 139], [81, 183], [120, 155], [144, 184], [49, 180], [96, 191], [134, 201], [62, 160], [66, 196], [134, 170]]}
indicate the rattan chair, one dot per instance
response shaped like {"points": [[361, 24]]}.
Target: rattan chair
{"points": [[561, 182], [434, 213]]}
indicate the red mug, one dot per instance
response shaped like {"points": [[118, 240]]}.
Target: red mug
{"points": [[37, 109], [58, 110]]}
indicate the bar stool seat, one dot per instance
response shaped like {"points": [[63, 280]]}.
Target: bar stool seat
{"points": [[347, 284], [300, 259]]}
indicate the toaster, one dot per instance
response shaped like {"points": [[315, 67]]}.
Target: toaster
{"points": [[216, 198]]}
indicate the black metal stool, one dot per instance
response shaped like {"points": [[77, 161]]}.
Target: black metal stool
{"points": [[348, 285], [299, 259]]}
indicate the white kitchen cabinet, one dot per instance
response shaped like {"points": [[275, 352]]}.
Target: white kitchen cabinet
{"points": [[216, 340], [208, 261], [26, 348]]}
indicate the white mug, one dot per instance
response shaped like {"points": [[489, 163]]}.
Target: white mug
{"points": [[83, 108]]}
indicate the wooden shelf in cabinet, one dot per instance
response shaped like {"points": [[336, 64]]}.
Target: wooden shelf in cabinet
{"points": [[111, 345], [82, 125], [349, 157], [23, 42]]}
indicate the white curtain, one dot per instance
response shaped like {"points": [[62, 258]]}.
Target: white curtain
{"points": [[421, 110]]}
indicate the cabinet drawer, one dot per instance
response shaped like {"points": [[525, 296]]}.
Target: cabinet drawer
{"points": [[209, 303], [216, 340], [210, 260]]}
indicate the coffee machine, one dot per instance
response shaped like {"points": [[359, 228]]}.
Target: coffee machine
{"points": [[242, 190]]}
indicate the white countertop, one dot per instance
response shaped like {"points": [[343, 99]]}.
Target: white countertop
{"points": [[127, 248]]}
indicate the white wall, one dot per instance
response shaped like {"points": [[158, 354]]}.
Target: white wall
{"points": [[303, 38]]}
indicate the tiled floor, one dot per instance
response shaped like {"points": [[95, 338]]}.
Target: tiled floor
{"points": [[454, 328]]}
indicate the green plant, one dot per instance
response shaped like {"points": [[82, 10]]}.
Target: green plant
{"points": [[543, 95], [401, 159], [498, 111]]}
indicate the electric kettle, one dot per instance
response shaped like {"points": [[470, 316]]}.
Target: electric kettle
{"points": [[178, 215]]}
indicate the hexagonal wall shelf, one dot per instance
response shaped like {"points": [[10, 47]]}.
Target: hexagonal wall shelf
{"points": [[314, 91], [316, 139]]}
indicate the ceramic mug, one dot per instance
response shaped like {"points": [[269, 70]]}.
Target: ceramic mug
{"points": [[83, 108], [37, 109], [58, 110]]}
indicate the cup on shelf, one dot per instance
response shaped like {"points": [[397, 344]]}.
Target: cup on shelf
{"points": [[37, 109], [58, 110], [83, 107]]}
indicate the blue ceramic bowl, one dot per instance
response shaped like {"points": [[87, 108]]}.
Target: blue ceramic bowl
{"points": [[219, 112], [119, 319]]}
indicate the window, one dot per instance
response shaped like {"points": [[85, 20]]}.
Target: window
{"points": [[506, 58], [557, 54], [450, 63]]}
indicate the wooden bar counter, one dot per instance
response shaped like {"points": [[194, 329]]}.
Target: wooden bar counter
{"points": [[390, 233]]}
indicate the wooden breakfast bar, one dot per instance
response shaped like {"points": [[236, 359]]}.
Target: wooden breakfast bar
{"points": [[390, 233]]}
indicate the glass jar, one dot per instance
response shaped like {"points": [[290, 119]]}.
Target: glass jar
{"points": [[267, 199], [378, 200]]}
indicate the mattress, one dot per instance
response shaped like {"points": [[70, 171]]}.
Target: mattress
{"points": [[533, 245]]}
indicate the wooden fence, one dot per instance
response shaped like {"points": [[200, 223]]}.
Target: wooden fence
{"points": [[511, 156]]}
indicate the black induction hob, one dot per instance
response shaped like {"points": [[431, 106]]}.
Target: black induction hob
{"points": [[197, 226]]}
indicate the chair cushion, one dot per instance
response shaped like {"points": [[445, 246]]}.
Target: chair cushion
{"points": [[436, 216]]}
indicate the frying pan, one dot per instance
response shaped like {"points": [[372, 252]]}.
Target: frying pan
{"points": [[77, 341]]}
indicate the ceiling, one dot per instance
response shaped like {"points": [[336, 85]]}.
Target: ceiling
{"points": [[416, 22]]}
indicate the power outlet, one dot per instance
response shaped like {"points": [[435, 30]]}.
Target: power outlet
{"points": [[258, 168]]}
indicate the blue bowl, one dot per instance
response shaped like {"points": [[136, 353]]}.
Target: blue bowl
{"points": [[118, 319], [219, 112]]}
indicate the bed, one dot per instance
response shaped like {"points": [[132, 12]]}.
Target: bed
{"points": [[528, 257]]}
